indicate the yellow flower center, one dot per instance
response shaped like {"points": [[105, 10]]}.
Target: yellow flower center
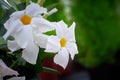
{"points": [[63, 42], [26, 19]]}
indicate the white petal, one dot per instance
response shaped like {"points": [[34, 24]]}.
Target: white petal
{"points": [[72, 48], [8, 24], [17, 78], [4, 70], [62, 58], [24, 36], [17, 14], [42, 25], [30, 53], [61, 28], [13, 46], [14, 27], [53, 44], [70, 35], [34, 9], [41, 40]]}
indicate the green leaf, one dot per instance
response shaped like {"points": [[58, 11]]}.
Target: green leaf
{"points": [[38, 66], [2, 43], [47, 55], [21, 61], [4, 4], [6, 16], [13, 4], [53, 32], [1, 11], [10, 38], [34, 1], [2, 30]]}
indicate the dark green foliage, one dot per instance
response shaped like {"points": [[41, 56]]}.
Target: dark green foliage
{"points": [[98, 31]]}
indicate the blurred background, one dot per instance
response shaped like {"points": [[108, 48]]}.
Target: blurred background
{"points": [[97, 36]]}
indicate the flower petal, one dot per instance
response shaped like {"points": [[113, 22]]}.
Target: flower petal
{"points": [[53, 44], [9, 23], [41, 40], [4, 70], [42, 25], [17, 14], [72, 48], [34, 10], [62, 58], [24, 36], [61, 28], [13, 28], [30, 53], [13, 46], [17, 78], [70, 35]]}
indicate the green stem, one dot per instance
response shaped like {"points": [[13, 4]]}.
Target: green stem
{"points": [[27, 2], [14, 64], [45, 16], [41, 2]]}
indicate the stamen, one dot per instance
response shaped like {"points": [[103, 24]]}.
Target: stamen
{"points": [[26, 20], [63, 42]]}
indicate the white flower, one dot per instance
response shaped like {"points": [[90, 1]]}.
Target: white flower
{"points": [[21, 26], [4, 70], [63, 43]]}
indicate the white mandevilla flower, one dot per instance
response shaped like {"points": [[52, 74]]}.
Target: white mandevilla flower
{"points": [[63, 43], [20, 26], [5, 71]]}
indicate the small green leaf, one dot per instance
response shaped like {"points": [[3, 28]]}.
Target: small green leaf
{"points": [[10, 38], [53, 32], [2, 43], [2, 30]]}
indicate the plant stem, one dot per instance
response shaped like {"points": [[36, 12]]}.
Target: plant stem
{"points": [[41, 2], [14, 63], [27, 2]]}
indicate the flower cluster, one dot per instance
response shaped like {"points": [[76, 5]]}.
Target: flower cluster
{"points": [[28, 28]]}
